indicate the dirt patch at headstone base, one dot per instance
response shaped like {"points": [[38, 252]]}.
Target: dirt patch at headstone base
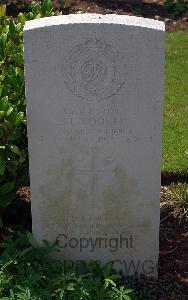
{"points": [[148, 9], [153, 9]]}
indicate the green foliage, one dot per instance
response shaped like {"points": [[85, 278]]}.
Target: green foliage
{"points": [[28, 272], [177, 7], [13, 137], [2, 10], [6, 194]]}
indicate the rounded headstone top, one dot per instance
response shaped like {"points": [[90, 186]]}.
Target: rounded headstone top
{"points": [[95, 19]]}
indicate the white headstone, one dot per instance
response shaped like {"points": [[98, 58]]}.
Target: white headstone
{"points": [[94, 89]]}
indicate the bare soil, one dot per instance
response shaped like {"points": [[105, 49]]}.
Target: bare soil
{"points": [[148, 9], [173, 263], [154, 9]]}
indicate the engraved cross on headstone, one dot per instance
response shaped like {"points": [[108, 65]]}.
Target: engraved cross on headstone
{"points": [[93, 171]]}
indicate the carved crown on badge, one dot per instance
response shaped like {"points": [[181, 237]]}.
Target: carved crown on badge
{"points": [[94, 70]]}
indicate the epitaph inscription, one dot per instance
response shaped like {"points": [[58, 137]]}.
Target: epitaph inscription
{"points": [[94, 70]]}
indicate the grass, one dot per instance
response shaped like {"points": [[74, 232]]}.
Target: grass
{"points": [[175, 131]]}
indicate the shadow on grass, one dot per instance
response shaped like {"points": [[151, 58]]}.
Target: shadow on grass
{"points": [[168, 177]]}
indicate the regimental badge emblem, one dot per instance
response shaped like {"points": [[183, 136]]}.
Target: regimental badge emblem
{"points": [[94, 70]]}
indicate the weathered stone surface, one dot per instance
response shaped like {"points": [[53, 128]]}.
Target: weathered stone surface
{"points": [[94, 88]]}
